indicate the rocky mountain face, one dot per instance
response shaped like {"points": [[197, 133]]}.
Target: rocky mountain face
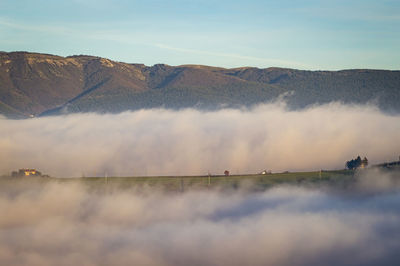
{"points": [[42, 84]]}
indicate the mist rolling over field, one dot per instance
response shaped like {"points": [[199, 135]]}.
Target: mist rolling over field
{"points": [[192, 142], [65, 223], [199, 133]]}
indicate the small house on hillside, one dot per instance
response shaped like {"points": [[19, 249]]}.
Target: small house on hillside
{"points": [[265, 172], [364, 163], [26, 172]]}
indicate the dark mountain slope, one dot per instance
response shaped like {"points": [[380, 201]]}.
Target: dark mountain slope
{"points": [[178, 90], [33, 83], [381, 87], [8, 111]]}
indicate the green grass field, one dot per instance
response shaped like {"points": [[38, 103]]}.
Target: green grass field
{"points": [[182, 183]]}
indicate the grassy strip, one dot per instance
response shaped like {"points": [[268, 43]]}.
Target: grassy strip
{"points": [[181, 183]]}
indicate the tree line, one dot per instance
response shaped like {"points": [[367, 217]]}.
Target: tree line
{"points": [[357, 163]]}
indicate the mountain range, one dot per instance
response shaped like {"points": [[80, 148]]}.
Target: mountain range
{"points": [[33, 84]]}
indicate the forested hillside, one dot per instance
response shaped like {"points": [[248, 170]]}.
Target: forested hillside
{"points": [[42, 84]]}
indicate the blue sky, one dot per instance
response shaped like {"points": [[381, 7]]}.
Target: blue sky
{"points": [[308, 34]]}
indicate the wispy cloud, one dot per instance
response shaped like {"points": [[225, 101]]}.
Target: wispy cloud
{"points": [[352, 12], [243, 58], [36, 27], [87, 32]]}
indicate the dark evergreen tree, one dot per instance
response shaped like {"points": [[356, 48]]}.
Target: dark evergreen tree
{"points": [[355, 163]]}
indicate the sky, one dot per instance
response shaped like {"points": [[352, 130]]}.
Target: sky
{"points": [[307, 34]]}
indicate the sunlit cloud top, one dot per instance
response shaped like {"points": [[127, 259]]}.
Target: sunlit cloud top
{"points": [[298, 34], [192, 142]]}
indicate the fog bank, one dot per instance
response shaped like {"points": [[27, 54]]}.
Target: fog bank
{"points": [[191, 142], [65, 224]]}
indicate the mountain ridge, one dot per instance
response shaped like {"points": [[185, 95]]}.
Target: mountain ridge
{"points": [[34, 84]]}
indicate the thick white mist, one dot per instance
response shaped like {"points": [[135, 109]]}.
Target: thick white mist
{"points": [[50, 223], [191, 142]]}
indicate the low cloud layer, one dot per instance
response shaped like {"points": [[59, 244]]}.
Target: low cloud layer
{"points": [[191, 142], [65, 224]]}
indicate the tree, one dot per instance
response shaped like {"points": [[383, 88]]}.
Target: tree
{"points": [[358, 161], [355, 163]]}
